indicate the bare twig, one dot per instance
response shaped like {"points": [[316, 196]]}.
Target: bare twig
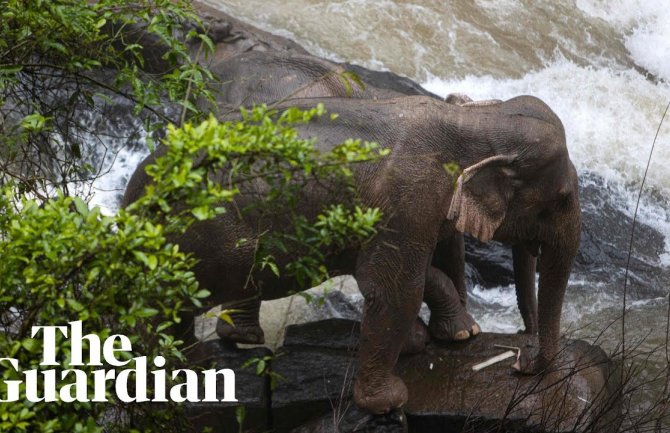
{"points": [[632, 233]]}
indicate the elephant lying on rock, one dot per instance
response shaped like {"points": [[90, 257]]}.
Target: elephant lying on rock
{"points": [[261, 77], [517, 186]]}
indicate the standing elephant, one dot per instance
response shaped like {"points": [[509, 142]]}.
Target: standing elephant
{"points": [[270, 77], [518, 186]]}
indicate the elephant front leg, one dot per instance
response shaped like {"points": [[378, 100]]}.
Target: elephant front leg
{"points": [[448, 318], [524, 278], [392, 302]]}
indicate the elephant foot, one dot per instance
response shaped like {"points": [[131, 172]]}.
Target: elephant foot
{"points": [[382, 397], [530, 362], [418, 338], [457, 326], [246, 334]]}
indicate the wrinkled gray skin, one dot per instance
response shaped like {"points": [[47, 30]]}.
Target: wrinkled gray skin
{"points": [[450, 256], [518, 186], [268, 77]]}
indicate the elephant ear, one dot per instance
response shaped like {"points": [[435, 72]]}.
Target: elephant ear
{"points": [[482, 193]]}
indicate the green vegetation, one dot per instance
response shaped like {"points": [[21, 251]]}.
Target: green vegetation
{"points": [[62, 260]]}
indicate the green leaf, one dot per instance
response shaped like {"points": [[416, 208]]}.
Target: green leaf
{"points": [[240, 415], [260, 367], [201, 213], [10, 69], [31, 345], [33, 122], [81, 206], [75, 305], [152, 262]]}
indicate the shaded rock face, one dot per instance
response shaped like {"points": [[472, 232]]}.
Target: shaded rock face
{"points": [[354, 421], [317, 365], [606, 235]]}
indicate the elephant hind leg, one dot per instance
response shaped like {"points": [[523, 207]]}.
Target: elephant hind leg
{"points": [[246, 327], [448, 318]]}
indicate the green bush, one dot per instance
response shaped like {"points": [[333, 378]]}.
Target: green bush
{"points": [[62, 261], [61, 59]]}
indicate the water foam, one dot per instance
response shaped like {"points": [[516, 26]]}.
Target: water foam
{"points": [[646, 24]]}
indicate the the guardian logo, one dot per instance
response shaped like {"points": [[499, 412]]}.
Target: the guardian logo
{"points": [[72, 384]]}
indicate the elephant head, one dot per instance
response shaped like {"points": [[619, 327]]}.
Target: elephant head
{"points": [[523, 190]]}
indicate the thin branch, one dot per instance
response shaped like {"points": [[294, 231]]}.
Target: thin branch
{"points": [[632, 233]]}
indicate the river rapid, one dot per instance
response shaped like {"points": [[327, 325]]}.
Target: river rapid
{"points": [[602, 65]]}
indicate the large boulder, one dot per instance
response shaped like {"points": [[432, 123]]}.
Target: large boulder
{"points": [[445, 394], [252, 391]]}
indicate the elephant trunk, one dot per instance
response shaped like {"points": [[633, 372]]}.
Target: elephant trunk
{"points": [[555, 263]]}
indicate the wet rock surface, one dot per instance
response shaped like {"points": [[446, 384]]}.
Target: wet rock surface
{"points": [[350, 419], [606, 235], [445, 394]]}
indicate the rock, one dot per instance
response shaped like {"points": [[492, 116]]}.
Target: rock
{"points": [[318, 364], [490, 265], [340, 334], [445, 394], [355, 421], [316, 381], [251, 391], [606, 231]]}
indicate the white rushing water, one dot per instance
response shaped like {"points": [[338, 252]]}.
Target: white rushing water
{"points": [[602, 65]]}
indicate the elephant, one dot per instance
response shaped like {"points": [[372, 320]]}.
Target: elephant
{"points": [[450, 255], [267, 77], [270, 77], [517, 186]]}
